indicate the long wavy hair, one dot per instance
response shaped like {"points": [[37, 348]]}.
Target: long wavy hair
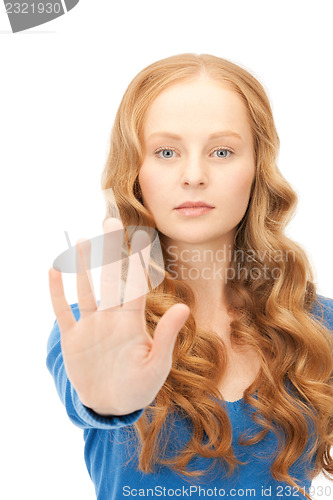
{"points": [[272, 313]]}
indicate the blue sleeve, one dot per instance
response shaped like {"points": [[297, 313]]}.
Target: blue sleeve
{"points": [[79, 414], [324, 311]]}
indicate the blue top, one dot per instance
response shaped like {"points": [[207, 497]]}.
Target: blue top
{"points": [[111, 455]]}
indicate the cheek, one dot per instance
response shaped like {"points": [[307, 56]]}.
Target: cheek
{"points": [[238, 188], [152, 185]]}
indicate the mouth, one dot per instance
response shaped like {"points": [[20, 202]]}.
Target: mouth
{"points": [[194, 204], [194, 211]]}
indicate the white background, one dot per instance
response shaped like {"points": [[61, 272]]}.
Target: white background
{"points": [[61, 84]]}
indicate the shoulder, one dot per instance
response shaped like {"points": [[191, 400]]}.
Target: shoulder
{"points": [[322, 309]]}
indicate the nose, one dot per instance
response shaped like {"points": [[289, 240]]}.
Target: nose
{"points": [[194, 173]]}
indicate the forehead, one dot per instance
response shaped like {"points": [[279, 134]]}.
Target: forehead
{"points": [[202, 103]]}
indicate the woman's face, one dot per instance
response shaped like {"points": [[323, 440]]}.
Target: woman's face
{"points": [[205, 162]]}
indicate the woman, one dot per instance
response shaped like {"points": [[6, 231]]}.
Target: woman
{"points": [[220, 378]]}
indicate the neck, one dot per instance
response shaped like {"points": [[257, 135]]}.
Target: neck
{"points": [[205, 267]]}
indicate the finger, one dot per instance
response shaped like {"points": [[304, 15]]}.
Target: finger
{"points": [[110, 285], [166, 332], [136, 287], [64, 314], [85, 289]]}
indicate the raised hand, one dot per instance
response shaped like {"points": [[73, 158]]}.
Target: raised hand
{"points": [[110, 358]]}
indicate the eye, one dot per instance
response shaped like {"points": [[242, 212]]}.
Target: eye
{"points": [[163, 150], [223, 150], [168, 152]]}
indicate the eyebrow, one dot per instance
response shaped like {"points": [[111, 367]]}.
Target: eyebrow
{"points": [[224, 133]]}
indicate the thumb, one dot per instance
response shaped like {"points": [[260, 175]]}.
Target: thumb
{"points": [[166, 333]]}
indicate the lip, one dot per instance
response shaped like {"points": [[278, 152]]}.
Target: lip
{"points": [[194, 211], [194, 204]]}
